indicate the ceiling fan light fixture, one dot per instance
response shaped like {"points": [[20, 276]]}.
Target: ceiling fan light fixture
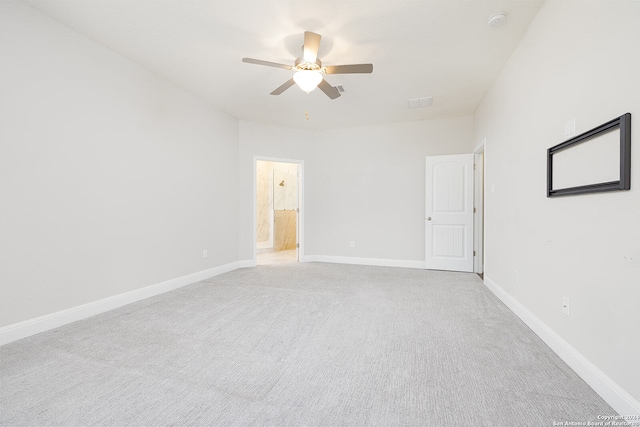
{"points": [[307, 80]]}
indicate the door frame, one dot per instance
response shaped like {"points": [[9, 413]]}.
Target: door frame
{"points": [[300, 216], [479, 159]]}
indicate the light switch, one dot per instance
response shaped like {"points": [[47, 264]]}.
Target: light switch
{"points": [[570, 128]]}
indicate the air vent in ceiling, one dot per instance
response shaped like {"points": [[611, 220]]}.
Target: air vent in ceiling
{"points": [[420, 102]]}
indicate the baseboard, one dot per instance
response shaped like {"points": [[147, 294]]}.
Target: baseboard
{"points": [[609, 390], [364, 261], [50, 321], [246, 263]]}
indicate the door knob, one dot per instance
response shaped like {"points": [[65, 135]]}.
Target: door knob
{"points": [[428, 218]]}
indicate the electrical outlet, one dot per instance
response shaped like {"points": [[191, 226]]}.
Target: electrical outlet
{"points": [[565, 305], [353, 244], [205, 253]]}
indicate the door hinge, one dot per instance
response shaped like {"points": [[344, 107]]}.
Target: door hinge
{"points": [[474, 166], [297, 245], [298, 210], [474, 210], [474, 253]]}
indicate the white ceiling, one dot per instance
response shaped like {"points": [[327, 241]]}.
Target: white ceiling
{"points": [[443, 49]]}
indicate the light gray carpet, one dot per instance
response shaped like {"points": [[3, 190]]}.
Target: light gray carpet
{"points": [[298, 344]]}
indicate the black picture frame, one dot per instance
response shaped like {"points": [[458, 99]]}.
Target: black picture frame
{"points": [[623, 123]]}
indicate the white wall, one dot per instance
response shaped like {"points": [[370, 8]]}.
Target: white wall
{"points": [[111, 179], [362, 184], [578, 59], [369, 187]]}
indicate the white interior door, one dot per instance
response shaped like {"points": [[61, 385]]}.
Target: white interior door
{"points": [[449, 213]]}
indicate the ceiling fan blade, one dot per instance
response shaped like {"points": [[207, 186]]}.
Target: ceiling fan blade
{"points": [[329, 90], [267, 63], [286, 85], [311, 46], [349, 69]]}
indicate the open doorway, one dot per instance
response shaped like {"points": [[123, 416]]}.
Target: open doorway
{"points": [[277, 211]]}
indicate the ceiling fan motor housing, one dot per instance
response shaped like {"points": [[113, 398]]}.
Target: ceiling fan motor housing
{"points": [[301, 64]]}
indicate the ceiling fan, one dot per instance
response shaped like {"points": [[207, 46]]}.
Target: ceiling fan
{"points": [[309, 69]]}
